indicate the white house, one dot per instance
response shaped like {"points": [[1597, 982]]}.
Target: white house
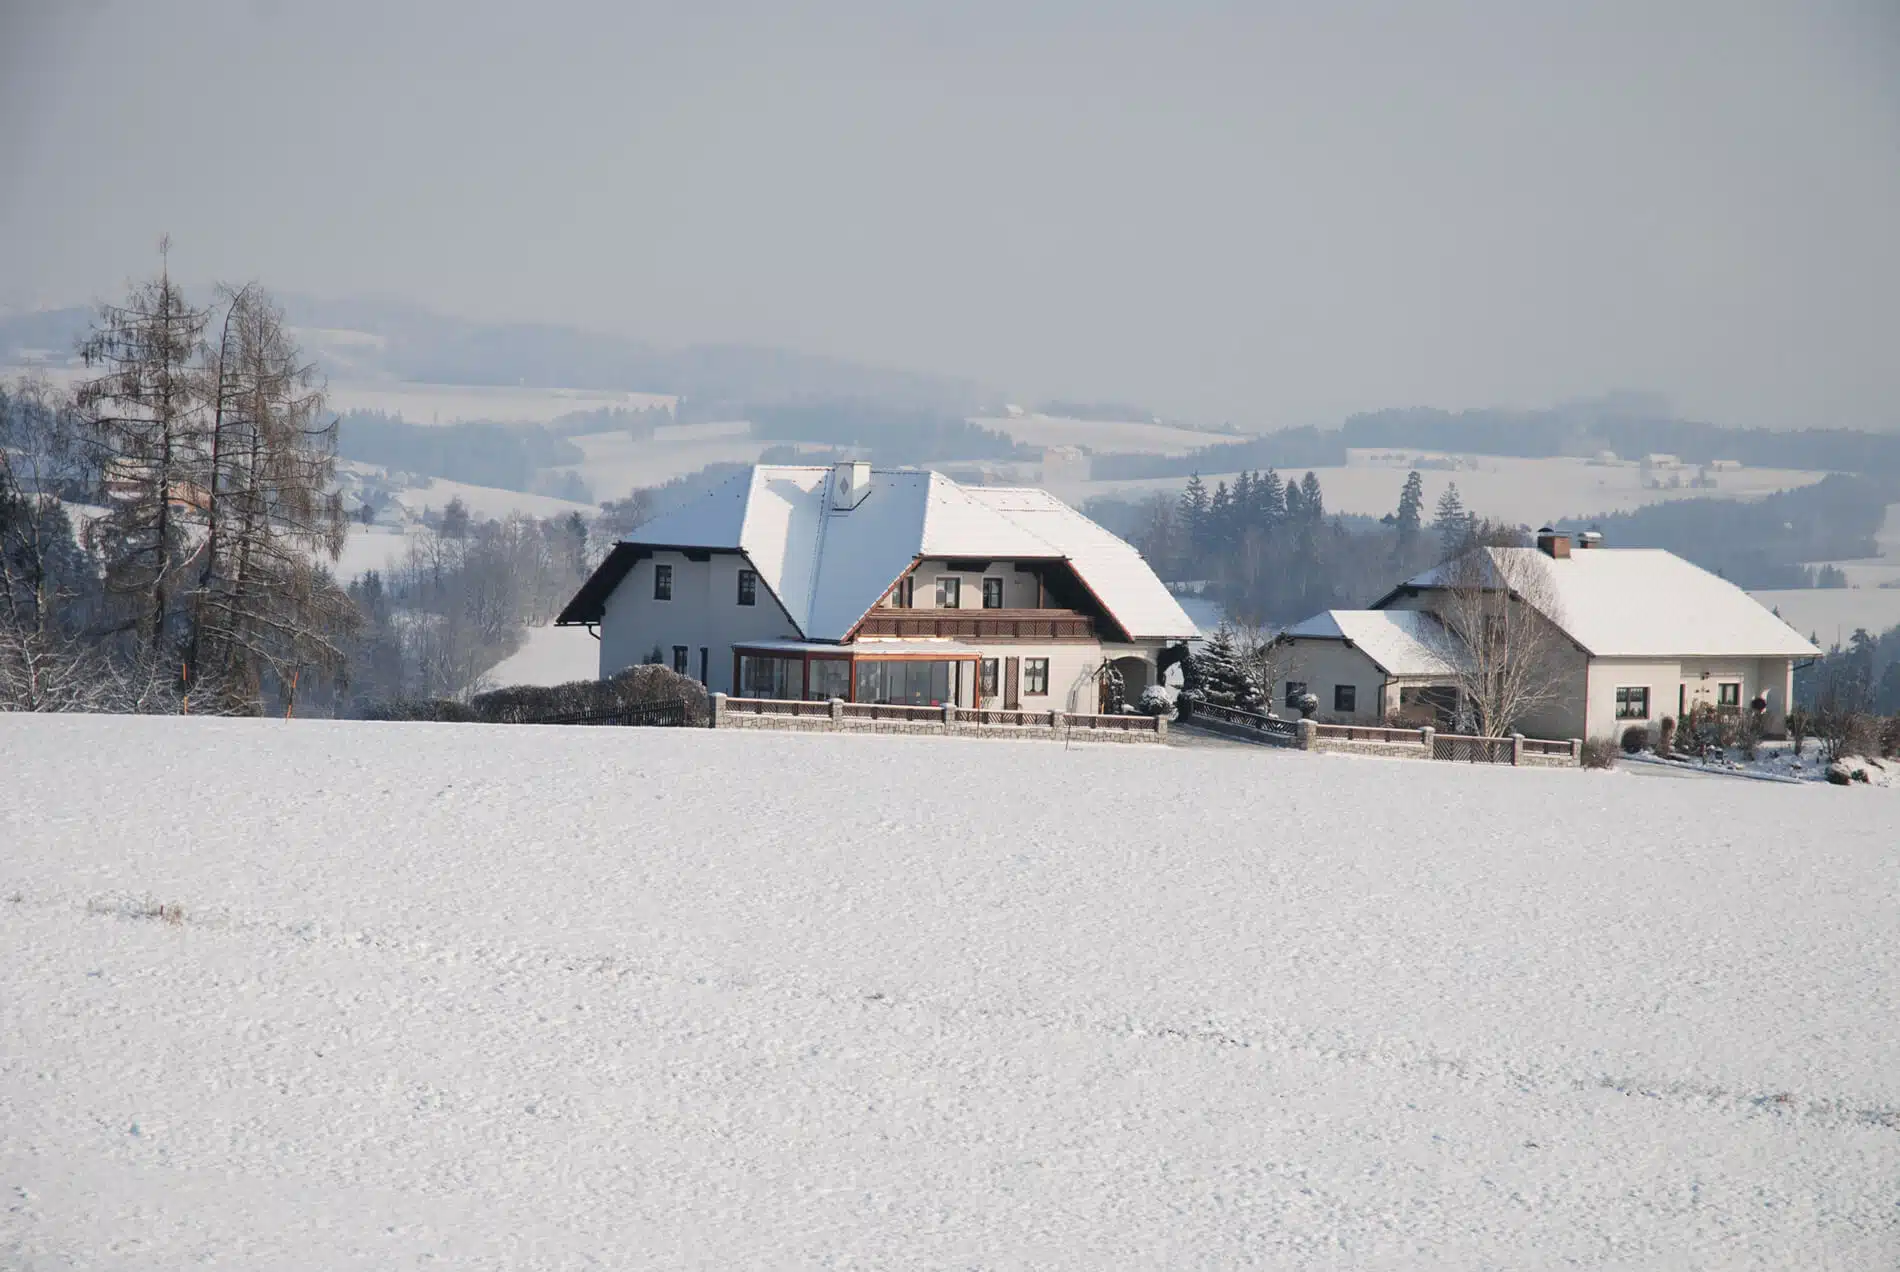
{"points": [[878, 585], [1645, 635]]}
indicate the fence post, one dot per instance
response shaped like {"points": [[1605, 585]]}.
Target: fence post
{"points": [[949, 717], [1055, 720], [1517, 749], [1576, 751], [718, 710], [837, 713], [1425, 736], [1309, 734], [1161, 727]]}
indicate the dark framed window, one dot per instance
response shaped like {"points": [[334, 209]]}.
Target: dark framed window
{"points": [[1295, 690], [1632, 702], [986, 678], [900, 595], [679, 659], [949, 592], [662, 582], [1345, 698], [1035, 677], [1728, 695], [992, 594], [748, 587]]}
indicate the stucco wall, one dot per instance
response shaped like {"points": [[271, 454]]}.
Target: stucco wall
{"points": [[1323, 664], [704, 612], [1678, 685], [1019, 586]]}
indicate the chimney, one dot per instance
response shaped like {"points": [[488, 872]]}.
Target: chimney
{"points": [[1553, 543], [1590, 539], [850, 483]]}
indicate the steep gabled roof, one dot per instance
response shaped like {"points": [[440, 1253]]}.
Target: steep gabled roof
{"points": [[1643, 603], [1399, 642], [828, 566]]}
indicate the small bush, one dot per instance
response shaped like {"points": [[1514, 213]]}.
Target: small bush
{"points": [[1666, 744], [1597, 753], [1155, 701], [1890, 737], [436, 710], [1800, 726], [1635, 739]]}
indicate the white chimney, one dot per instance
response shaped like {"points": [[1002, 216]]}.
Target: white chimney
{"points": [[850, 483]]}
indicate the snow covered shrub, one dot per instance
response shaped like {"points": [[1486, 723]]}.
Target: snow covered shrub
{"points": [[1309, 705], [1666, 740], [438, 710], [1635, 739], [1156, 701], [1597, 753]]}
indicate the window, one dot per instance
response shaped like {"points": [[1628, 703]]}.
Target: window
{"points": [[830, 678], [906, 682], [986, 683], [1345, 698], [900, 595], [748, 587], [662, 582], [679, 659], [1728, 695], [1035, 677], [1295, 690], [1632, 702], [949, 590], [769, 677], [992, 594]]}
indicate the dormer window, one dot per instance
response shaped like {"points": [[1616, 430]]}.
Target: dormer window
{"points": [[949, 592]]}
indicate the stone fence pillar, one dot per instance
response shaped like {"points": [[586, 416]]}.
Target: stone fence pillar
{"points": [[1425, 736], [718, 711], [837, 713], [1517, 748], [1055, 720], [1309, 734], [949, 717]]}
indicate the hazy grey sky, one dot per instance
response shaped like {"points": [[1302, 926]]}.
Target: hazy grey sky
{"points": [[1273, 213]]}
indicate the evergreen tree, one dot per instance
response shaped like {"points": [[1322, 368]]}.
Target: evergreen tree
{"points": [[1220, 520], [1312, 503], [1452, 524], [1193, 516], [1220, 675], [1243, 509], [1295, 504], [1270, 495], [1411, 509]]}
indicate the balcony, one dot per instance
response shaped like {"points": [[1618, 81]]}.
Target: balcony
{"points": [[1042, 625]]}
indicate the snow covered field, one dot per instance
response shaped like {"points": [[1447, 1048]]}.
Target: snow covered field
{"points": [[1531, 491], [528, 997], [549, 656]]}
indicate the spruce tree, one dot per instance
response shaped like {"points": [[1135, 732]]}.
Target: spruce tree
{"points": [[1452, 524], [1411, 510], [1193, 520], [1270, 494], [1312, 503]]}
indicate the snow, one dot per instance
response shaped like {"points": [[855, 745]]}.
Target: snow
{"points": [[549, 656], [1399, 642], [542, 998], [420, 402], [487, 502], [1645, 602], [1530, 491], [1105, 436]]}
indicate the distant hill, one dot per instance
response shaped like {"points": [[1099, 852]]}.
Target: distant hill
{"points": [[375, 339]]}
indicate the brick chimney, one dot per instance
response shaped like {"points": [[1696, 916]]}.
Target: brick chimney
{"points": [[1553, 543]]}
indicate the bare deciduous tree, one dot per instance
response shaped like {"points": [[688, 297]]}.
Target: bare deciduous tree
{"points": [[1501, 636]]}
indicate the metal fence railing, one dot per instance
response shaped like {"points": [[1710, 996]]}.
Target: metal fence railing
{"points": [[1460, 748], [1273, 727], [671, 714]]}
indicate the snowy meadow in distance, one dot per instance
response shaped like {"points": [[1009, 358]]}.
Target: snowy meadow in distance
{"points": [[346, 995]]}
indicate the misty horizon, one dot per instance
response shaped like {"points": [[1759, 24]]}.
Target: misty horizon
{"points": [[1268, 219]]}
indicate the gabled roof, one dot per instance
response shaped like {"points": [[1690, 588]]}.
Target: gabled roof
{"points": [[1399, 642], [1644, 603], [828, 566]]}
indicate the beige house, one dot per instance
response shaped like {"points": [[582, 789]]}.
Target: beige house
{"points": [[877, 585], [1365, 667], [1645, 635]]}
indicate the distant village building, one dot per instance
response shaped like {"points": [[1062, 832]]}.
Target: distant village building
{"points": [[1646, 635], [879, 585]]}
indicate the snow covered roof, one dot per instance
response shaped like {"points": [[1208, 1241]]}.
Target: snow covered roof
{"points": [[1400, 642], [829, 565], [1646, 602]]}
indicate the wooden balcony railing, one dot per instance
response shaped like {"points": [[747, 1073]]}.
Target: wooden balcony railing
{"points": [[980, 624]]}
